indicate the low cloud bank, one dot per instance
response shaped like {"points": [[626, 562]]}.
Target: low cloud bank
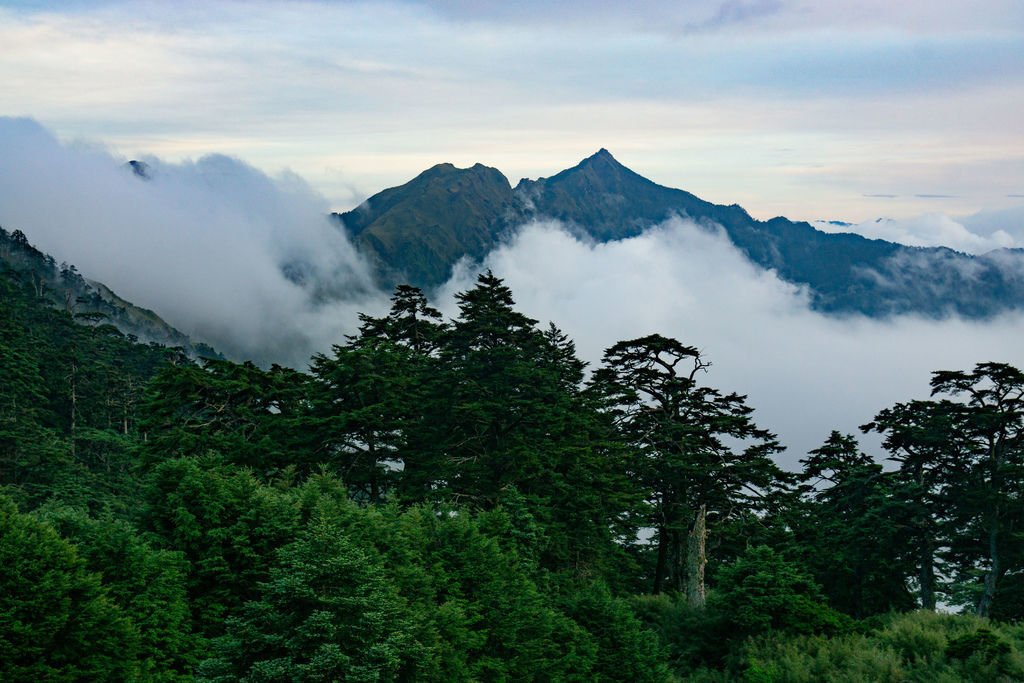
{"points": [[250, 264], [976, 234], [805, 373], [220, 250]]}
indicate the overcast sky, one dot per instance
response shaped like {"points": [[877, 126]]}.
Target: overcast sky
{"points": [[258, 118], [807, 108]]}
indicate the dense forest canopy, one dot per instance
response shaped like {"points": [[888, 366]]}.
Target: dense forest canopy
{"points": [[446, 500]]}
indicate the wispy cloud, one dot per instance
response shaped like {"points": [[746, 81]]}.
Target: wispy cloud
{"points": [[234, 257], [733, 12], [930, 230]]}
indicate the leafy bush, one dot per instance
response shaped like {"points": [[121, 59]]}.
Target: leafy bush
{"points": [[919, 646]]}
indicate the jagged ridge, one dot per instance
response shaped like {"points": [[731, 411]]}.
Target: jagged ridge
{"points": [[418, 231]]}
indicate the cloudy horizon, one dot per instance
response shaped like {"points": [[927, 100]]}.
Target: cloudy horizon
{"points": [[813, 110], [206, 244]]}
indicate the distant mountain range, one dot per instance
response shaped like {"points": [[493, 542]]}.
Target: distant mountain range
{"points": [[415, 233]]}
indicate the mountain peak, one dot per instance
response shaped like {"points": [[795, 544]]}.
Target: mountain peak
{"points": [[600, 171], [139, 168], [601, 156], [439, 169]]}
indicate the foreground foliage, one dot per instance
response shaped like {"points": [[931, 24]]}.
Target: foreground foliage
{"points": [[456, 501]]}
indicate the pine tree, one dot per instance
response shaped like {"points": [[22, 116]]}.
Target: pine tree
{"points": [[325, 613], [696, 451], [850, 529], [57, 623]]}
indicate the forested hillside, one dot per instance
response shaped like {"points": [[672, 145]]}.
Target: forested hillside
{"points": [[459, 500], [87, 300]]}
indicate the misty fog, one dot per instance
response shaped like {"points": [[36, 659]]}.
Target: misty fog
{"points": [[251, 264], [205, 244], [805, 373]]}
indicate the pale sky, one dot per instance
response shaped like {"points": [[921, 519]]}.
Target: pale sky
{"points": [[813, 109]]}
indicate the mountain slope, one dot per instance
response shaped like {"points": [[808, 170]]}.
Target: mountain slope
{"points": [[419, 230], [845, 272], [87, 300]]}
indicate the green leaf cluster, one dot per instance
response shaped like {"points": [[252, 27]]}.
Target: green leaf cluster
{"points": [[461, 500]]}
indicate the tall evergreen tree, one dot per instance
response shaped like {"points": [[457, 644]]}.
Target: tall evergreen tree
{"points": [[850, 529], [147, 584], [506, 414], [917, 436], [371, 392], [245, 415], [964, 456], [696, 451], [325, 613], [57, 623]]}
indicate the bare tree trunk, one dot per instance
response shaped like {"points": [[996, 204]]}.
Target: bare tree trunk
{"points": [[927, 576], [992, 575], [696, 559], [659, 569]]}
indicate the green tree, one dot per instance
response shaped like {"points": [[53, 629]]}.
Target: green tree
{"points": [[918, 438], [326, 613], [57, 623], [479, 432], [965, 456], [147, 584], [849, 529], [247, 416], [412, 322], [697, 452], [763, 592], [626, 649], [225, 522], [505, 414]]}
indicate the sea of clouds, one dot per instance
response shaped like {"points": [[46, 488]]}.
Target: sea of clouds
{"points": [[975, 234], [251, 264]]}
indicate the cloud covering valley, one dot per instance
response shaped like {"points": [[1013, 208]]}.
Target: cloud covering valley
{"points": [[251, 264]]}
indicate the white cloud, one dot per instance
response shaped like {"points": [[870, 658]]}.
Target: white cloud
{"points": [[927, 230], [203, 243], [805, 373], [1003, 224]]}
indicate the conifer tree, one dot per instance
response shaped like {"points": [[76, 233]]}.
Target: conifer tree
{"points": [[694, 448], [964, 457], [57, 623], [850, 529]]}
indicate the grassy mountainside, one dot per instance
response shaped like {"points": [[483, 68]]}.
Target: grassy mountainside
{"points": [[418, 231]]}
